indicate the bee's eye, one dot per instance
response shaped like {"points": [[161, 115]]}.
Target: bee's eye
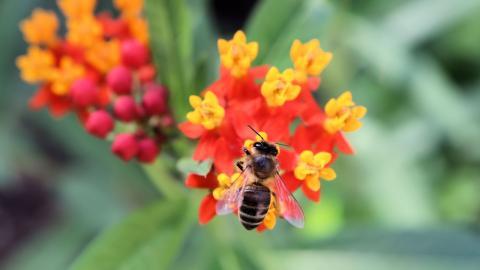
{"points": [[274, 151], [256, 145]]}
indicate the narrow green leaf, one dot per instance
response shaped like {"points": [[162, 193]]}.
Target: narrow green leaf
{"points": [[148, 239], [171, 42]]}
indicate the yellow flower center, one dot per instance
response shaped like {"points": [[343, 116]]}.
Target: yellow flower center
{"points": [[104, 55], [85, 31], [36, 65], [311, 167], [309, 59], [41, 28], [63, 76], [343, 114], [236, 54], [75, 9], [279, 88], [207, 112], [224, 183]]}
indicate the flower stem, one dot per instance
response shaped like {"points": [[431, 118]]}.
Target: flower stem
{"points": [[164, 181]]}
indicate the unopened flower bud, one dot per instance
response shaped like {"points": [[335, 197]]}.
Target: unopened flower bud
{"points": [[125, 146], [147, 73], [84, 92], [148, 150], [99, 124], [125, 108], [134, 54], [154, 101], [120, 79]]}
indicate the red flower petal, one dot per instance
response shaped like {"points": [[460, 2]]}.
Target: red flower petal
{"points": [[190, 130], [343, 145], [40, 99], [291, 182], [207, 209], [311, 195], [287, 159], [198, 181], [261, 228], [225, 156], [59, 107], [313, 83], [206, 147]]}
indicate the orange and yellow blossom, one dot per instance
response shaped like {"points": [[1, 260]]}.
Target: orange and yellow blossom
{"points": [[129, 8], [63, 76], [41, 28], [36, 65], [236, 54], [104, 55], [77, 9], [309, 59], [279, 88], [85, 31], [207, 112], [311, 167], [342, 114]]}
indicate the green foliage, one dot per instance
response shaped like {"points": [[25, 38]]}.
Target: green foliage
{"points": [[148, 239]]}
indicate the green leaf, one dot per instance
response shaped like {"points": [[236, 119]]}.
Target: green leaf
{"points": [[293, 19], [188, 165], [148, 239], [171, 42]]}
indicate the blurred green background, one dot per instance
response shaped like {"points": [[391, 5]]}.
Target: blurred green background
{"points": [[408, 199]]}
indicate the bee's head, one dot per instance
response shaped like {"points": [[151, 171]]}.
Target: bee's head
{"points": [[265, 148]]}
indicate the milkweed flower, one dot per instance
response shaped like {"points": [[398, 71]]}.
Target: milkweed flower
{"points": [[272, 102], [101, 70]]}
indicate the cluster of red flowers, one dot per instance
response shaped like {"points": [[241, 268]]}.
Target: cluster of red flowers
{"points": [[280, 105], [101, 70]]}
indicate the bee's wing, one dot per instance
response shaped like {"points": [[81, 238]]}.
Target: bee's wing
{"points": [[233, 195], [289, 208]]}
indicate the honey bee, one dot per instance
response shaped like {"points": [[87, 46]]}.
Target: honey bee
{"points": [[260, 186]]}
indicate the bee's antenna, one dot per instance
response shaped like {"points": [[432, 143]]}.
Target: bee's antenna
{"points": [[256, 132], [283, 145]]}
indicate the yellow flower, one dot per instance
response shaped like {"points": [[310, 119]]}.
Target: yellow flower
{"points": [[207, 112], [139, 29], [271, 217], [77, 9], [104, 55], [236, 54], [63, 76], [309, 59], [279, 88], [85, 31], [311, 168], [129, 8], [41, 28], [224, 183], [36, 65], [342, 114]]}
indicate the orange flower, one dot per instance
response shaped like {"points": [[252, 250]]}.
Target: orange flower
{"points": [[41, 28], [279, 88], [139, 29], [36, 65], [77, 9], [85, 31], [129, 8], [63, 76], [104, 55], [309, 59]]}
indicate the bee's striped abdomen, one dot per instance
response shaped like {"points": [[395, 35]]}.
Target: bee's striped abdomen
{"points": [[254, 206]]}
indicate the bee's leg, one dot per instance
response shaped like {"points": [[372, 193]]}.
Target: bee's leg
{"points": [[245, 150], [240, 165]]}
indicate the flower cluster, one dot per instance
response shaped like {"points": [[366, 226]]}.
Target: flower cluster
{"points": [[282, 106], [101, 70]]}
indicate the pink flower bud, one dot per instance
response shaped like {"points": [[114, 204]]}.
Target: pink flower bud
{"points": [[147, 73], [125, 146], [119, 80], [148, 150], [99, 124], [125, 108], [154, 101], [134, 54], [84, 92]]}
